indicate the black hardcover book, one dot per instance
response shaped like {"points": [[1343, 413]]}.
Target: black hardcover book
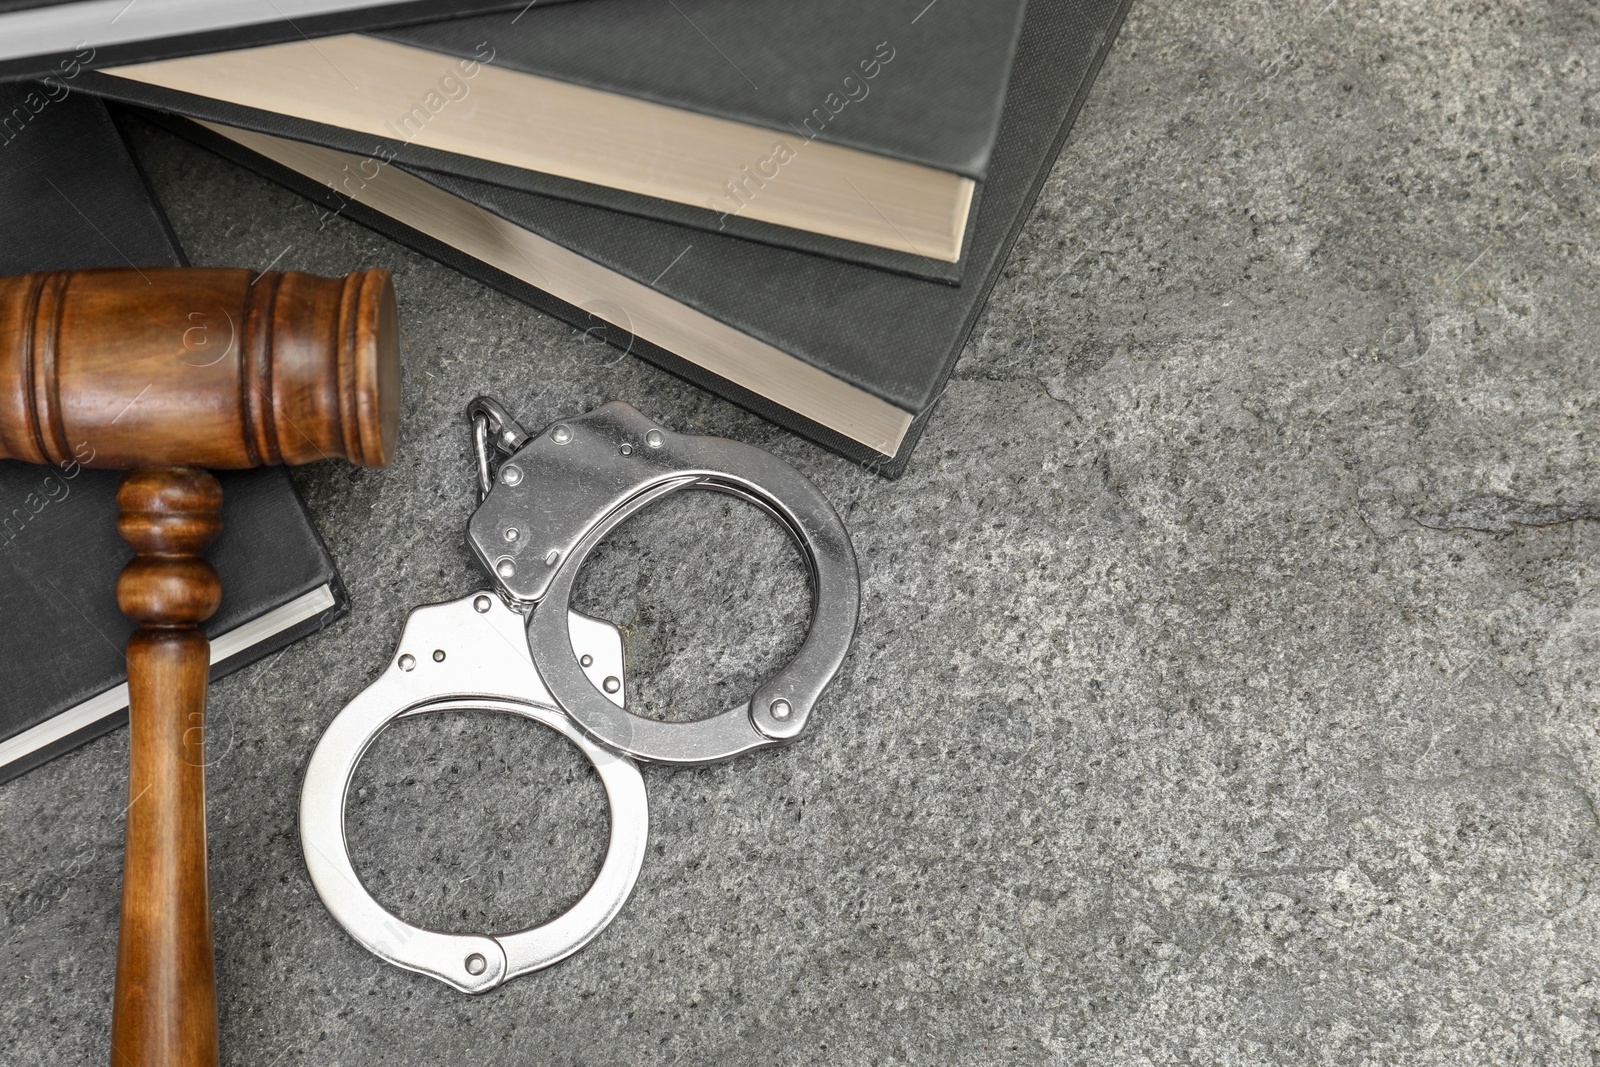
{"points": [[849, 356], [71, 197], [907, 85], [61, 38]]}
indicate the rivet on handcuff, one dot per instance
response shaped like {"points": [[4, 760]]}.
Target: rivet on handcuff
{"points": [[521, 649]]}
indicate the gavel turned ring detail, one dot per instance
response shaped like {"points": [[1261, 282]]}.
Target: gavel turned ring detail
{"points": [[169, 371]]}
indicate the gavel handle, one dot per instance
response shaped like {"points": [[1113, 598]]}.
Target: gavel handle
{"points": [[165, 1008], [167, 369]]}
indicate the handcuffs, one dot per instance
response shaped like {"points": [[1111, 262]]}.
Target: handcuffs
{"points": [[521, 649]]}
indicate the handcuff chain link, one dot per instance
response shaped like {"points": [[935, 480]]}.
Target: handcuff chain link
{"points": [[490, 420]]}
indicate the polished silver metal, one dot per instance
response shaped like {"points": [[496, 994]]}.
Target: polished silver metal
{"points": [[480, 448], [491, 420], [555, 496], [508, 432], [470, 655], [587, 475]]}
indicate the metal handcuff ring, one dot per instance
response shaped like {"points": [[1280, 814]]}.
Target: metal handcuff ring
{"points": [[557, 496], [469, 655], [522, 650]]}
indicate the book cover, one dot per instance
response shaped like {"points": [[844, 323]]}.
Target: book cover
{"points": [[61, 38], [71, 197]]}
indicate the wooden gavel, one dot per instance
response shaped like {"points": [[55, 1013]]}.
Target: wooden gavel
{"points": [[167, 371]]}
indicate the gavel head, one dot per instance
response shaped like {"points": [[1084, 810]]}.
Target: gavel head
{"points": [[193, 367]]}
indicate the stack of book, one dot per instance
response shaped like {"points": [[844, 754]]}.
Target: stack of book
{"points": [[800, 206]]}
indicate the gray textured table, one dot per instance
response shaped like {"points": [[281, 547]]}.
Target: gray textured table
{"points": [[1226, 690]]}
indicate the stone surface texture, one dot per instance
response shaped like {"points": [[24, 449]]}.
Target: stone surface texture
{"points": [[1227, 686]]}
